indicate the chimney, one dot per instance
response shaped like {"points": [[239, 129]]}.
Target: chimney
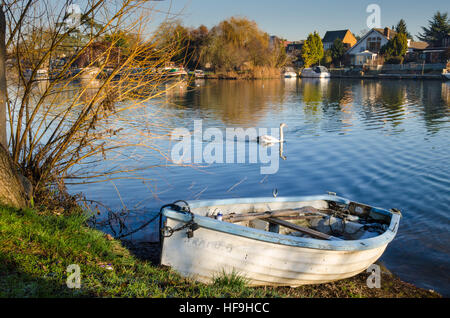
{"points": [[387, 33]]}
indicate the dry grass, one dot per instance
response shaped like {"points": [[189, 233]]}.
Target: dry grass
{"points": [[257, 72]]}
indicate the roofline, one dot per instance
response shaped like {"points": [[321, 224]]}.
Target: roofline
{"points": [[346, 30], [338, 31], [363, 38]]}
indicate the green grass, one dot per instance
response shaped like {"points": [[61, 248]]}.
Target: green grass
{"points": [[36, 249]]}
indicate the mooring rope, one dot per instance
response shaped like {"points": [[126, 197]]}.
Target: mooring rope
{"points": [[191, 224]]}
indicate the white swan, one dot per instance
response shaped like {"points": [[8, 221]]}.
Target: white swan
{"points": [[272, 140]]}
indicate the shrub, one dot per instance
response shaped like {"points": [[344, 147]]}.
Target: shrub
{"points": [[395, 60]]}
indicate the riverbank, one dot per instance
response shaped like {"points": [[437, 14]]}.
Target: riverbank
{"points": [[388, 74], [37, 248], [259, 72], [434, 77], [391, 76]]}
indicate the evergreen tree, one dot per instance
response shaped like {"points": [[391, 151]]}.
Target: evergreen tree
{"points": [[327, 58], [439, 28], [401, 28], [396, 48], [399, 45], [312, 51], [337, 51]]}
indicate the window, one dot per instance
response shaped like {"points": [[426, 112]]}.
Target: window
{"points": [[374, 44]]}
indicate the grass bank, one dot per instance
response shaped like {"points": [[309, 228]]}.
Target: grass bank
{"points": [[36, 249]]}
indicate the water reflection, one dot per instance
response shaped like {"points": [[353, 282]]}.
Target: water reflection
{"points": [[435, 107], [313, 90], [175, 89], [383, 143], [339, 93], [281, 150], [446, 93], [237, 103], [335, 105]]}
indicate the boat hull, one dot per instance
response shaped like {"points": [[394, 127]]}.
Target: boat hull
{"points": [[210, 253], [264, 259], [310, 73], [290, 75], [321, 75]]}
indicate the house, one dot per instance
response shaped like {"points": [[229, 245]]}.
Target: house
{"points": [[416, 51], [286, 43], [293, 50], [273, 40], [346, 36], [446, 41], [437, 53], [416, 46], [294, 46], [373, 41]]}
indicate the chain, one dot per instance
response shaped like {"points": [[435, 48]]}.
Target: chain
{"points": [[167, 231]]}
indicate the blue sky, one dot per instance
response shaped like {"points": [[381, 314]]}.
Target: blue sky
{"points": [[294, 19]]}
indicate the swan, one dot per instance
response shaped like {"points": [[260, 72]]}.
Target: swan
{"points": [[272, 140]]}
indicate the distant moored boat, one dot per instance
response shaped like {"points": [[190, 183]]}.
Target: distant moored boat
{"points": [[199, 74], [290, 74], [174, 71], [40, 74], [316, 72]]}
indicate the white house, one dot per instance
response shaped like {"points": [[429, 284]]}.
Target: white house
{"points": [[368, 47], [371, 42]]}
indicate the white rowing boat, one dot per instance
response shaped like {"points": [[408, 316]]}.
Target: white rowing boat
{"points": [[203, 239]]}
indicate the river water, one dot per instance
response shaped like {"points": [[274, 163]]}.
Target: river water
{"points": [[382, 143]]}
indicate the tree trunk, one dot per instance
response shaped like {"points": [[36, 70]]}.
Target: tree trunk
{"points": [[14, 188], [3, 140]]}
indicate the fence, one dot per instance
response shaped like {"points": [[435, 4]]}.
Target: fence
{"points": [[409, 67]]}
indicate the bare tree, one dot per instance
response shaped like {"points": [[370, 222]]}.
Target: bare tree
{"points": [[64, 116]]}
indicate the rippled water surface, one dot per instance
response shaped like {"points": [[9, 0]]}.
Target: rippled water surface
{"points": [[383, 143]]}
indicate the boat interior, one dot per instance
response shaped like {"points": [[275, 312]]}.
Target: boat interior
{"points": [[319, 219]]}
